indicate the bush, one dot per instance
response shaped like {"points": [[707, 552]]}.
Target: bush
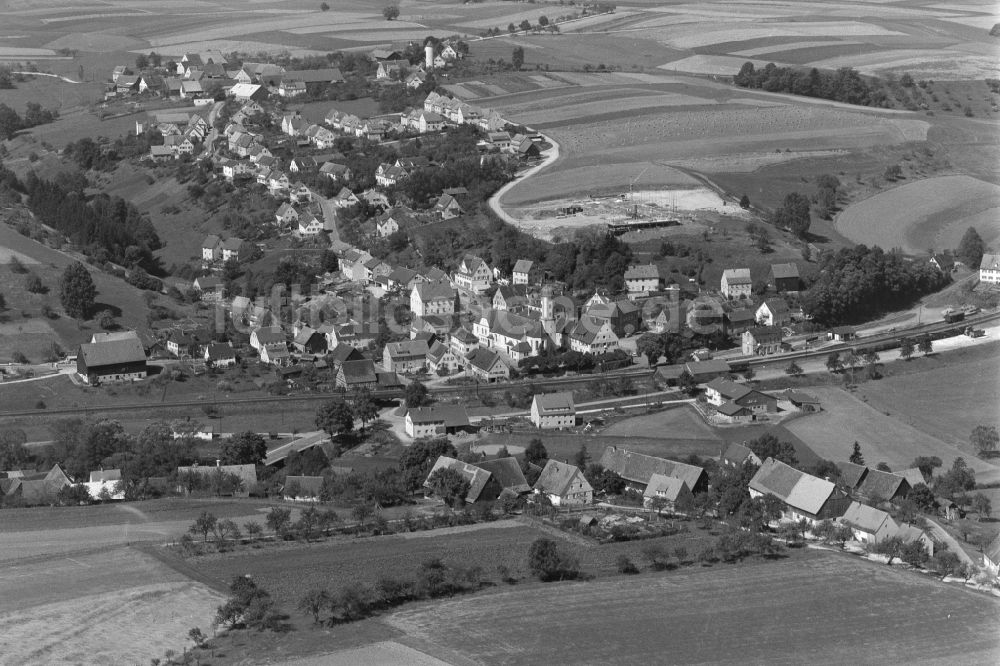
{"points": [[549, 563], [19, 358], [626, 566]]}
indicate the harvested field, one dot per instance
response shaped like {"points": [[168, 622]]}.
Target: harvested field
{"points": [[719, 65], [681, 423], [551, 185], [762, 613], [883, 438], [946, 207], [701, 35]]}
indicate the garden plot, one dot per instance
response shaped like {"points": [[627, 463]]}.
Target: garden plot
{"points": [[929, 213]]}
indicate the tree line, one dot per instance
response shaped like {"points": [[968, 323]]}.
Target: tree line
{"points": [[844, 85], [11, 122]]}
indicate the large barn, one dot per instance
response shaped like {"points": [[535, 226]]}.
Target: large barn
{"points": [[121, 360]]}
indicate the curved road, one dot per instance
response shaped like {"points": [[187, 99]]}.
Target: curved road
{"points": [[494, 201]]}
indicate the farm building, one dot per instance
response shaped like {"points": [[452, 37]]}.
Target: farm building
{"points": [[802, 401], [279, 454], [405, 356], [737, 402], [564, 484], [220, 354], [234, 480], [804, 496], [664, 492], [989, 269], [943, 262], [704, 371], [302, 488], [869, 525], [912, 475], [436, 420], [785, 277], [641, 279], [483, 486], [432, 298], [487, 366], [36, 488], [842, 333], [357, 375], [739, 320], [508, 474], [121, 360], [638, 468], [553, 410], [871, 484], [737, 455]]}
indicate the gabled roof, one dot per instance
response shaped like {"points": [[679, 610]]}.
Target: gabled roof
{"points": [[233, 244], [851, 475], [638, 467], [737, 454], [556, 478], [309, 486], [728, 389], [642, 272], [555, 403], [760, 333], [736, 275], [343, 352], [464, 335], [218, 351], [784, 271], [882, 484], [796, 489], [776, 305], [866, 518], [523, 265], [741, 316], [112, 352], [477, 477], [507, 472], [105, 475], [912, 475], [407, 348], [990, 262], [484, 359], [453, 416], [359, 372], [668, 487], [434, 291], [270, 335]]}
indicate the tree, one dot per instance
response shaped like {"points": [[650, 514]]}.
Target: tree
{"points": [[744, 202], [76, 291], [856, 456], [323, 7], [946, 563], [833, 362], [106, 320], [278, 520], [926, 465], [923, 497], [982, 505], [253, 529], [971, 248], [244, 448], [34, 284], [984, 438], [794, 214], [335, 417], [535, 452], [543, 20], [449, 485], [767, 446], [793, 369], [391, 13], [415, 394], [141, 61], [906, 349], [203, 524], [314, 601], [548, 562], [925, 345], [196, 636], [511, 28], [582, 457], [686, 383], [517, 57], [364, 407], [525, 25]]}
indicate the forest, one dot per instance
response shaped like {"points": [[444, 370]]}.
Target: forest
{"points": [[844, 85], [857, 284]]}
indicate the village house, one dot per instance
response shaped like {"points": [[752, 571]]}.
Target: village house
{"points": [[463, 342], [310, 225], [511, 334], [447, 207], [989, 269], [590, 335], [739, 320], [784, 277], [237, 249], [525, 272], [642, 279], [553, 410], [473, 274], [432, 298], [395, 219], [337, 172], [271, 336], [211, 249], [405, 356], [483, 487], [513, 298], [736, 455], [564, 485], [245, 92], [737, 402], [638, 468], [435, 421], [872, 485], [120, 360], [286, 215], [868, 525], [665, 493], [736, 283], [761, 341], [773, 312], [220, 355], [487, 366], [354, 375], [805, 497], [441, 359], [943, 262], [309, 341], [623, 316]]}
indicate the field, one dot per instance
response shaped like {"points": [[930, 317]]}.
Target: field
{"points": [[820, 607], [887, 437], [682, 423], [946, 207]]}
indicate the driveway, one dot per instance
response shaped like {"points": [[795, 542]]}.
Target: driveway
{"points": [[940, 534]]}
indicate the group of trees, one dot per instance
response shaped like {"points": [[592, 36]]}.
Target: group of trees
{"points": [[844, 85], [856, 284], [108, 228], [971, 248], [793, 214], [11, 122]]}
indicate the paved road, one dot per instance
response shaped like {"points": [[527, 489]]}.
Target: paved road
{"points": [[942, 535], [494, 201], [330, 219]]}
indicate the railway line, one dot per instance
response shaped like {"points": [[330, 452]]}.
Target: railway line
{"points": [[541, 383]]}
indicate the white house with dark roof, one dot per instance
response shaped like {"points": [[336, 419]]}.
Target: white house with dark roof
{"points": [[405, 356], [590, 335], [641, 279], [435, 420], [564, 484], [211, 248], [553, 410], [736, 283], [473, 274], [773, 312], [525, 272], [804, 496], [989, 269], [868, 525], [432, 298], [486, 365], [665, 492]]}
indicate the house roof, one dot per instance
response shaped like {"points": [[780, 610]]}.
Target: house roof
{"points": [[454, 416], [359, 372], [638, 467], [886, 485], [218, 351], [112, 352], [799, 397], [642, 272], [741, 315], [796, 489], [484, 359], [233, 244], [776, 305], [555, 403], [556, 478], [731, 408], [464, 335], [247, 473], [990, 262], [344, 352], [304, 441], [105, 475], [912, 475], [728, 389], [669, 487], [765, 333], [309, 486], [737, 454], [523, 265], [507, 472], [866, 518], [736, 275], [780, 271], [944, 261], [270, 335], [851, 475], [477, 477], [434, 291], [405, 348]]}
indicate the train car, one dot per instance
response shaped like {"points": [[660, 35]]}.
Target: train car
{"points": [[953, 316]]}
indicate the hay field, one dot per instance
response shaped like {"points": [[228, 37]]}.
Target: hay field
{"points": [[820, 607], [928, 213], [551, 185], [682, 423], [890, 439]]}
